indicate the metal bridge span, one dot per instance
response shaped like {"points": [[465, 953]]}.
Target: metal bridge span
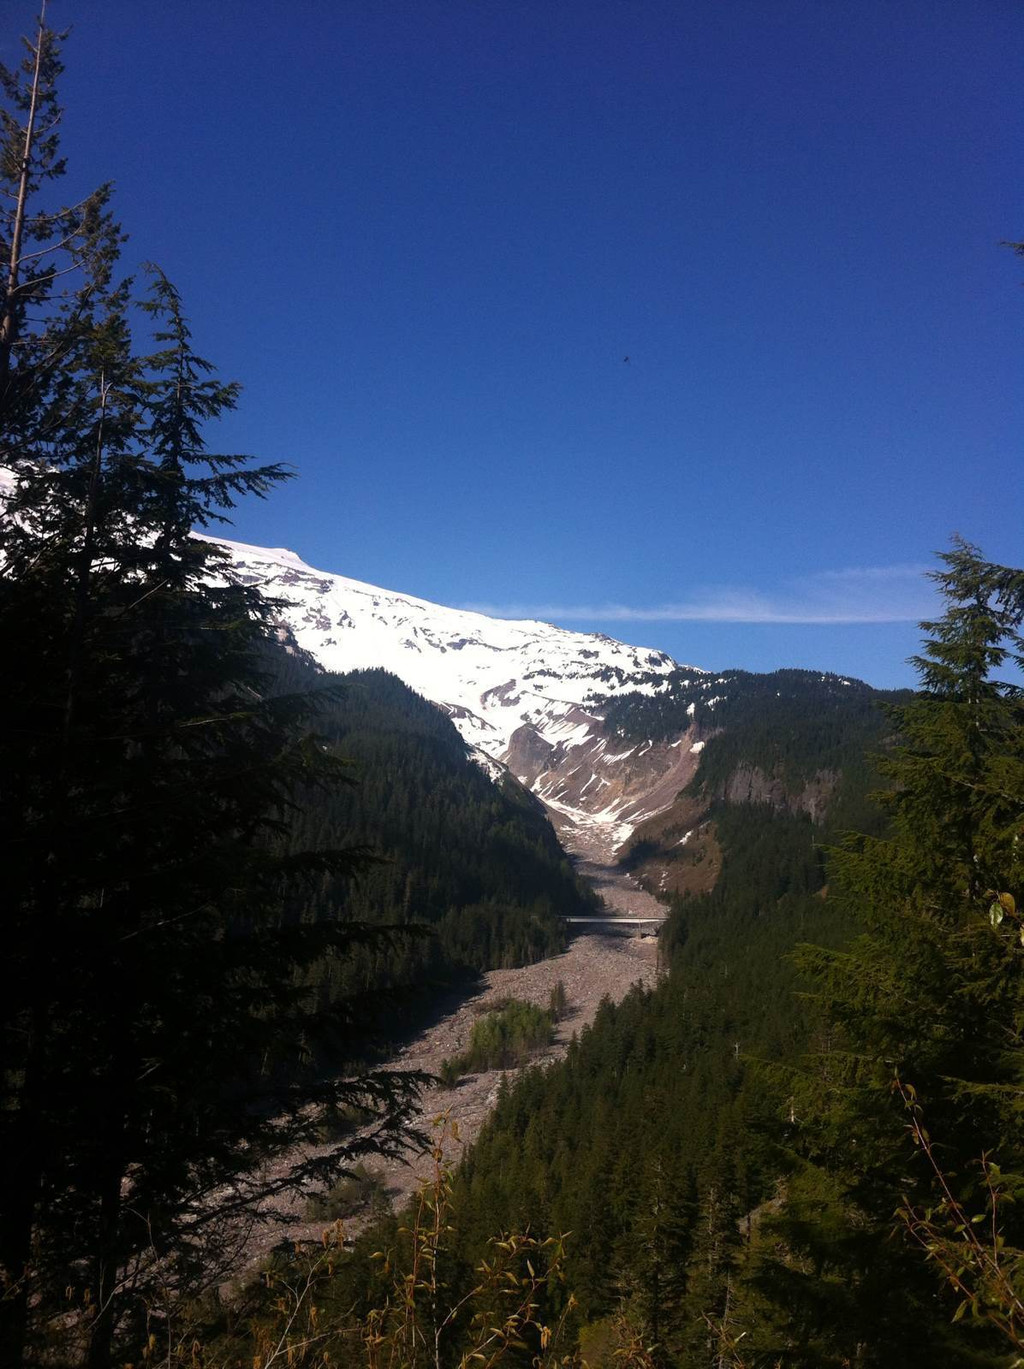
{"points": [[619, 921]]}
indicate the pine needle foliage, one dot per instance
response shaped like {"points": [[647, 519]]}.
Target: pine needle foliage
{"points": [[927, 1006], [155, 1030]]}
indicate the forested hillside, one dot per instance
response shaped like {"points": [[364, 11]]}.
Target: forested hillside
{"points": [[471, 864], [794, 741], [657, 1136]]}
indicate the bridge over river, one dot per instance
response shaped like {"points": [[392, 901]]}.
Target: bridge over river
{"points": [[607, 924]]}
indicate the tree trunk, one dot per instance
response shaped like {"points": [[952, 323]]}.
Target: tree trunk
{"points": [[9, 317], [101, 1338]]}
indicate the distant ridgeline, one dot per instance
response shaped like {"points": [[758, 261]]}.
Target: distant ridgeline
{"points": [[654, 1141], [794, 740], [476, 863], [788, 718]]}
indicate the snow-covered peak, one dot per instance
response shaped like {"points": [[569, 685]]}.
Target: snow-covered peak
{"points": [[491, 675], [269, 556]]}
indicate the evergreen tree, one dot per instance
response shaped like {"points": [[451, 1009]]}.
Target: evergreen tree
{"points": [[156, 1029], [653, 1252], [713, 1266], [148, 777], [54, 259], [926, 1008]]}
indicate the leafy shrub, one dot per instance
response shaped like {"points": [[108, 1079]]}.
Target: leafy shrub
{"points": [[503, 1039]]}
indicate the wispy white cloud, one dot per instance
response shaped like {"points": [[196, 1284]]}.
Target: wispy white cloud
{"points": [[862, 594]]}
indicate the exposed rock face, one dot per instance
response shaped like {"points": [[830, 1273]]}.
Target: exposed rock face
{"points": [[677, 852], [749, 784], [599, 783]]}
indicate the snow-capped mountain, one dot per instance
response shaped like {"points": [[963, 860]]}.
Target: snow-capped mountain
{"points": [[521, 693]]}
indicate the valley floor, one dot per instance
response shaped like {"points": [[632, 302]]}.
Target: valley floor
{"points": [[594, 967]]}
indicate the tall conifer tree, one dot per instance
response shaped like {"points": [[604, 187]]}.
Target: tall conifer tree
{"points": [[155, 1027], [926, 1008]]}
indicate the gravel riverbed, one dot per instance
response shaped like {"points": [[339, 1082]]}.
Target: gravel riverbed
{"points": [[594, 967]]}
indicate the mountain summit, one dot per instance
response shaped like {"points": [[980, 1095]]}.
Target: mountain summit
{"points": [[526, 694]]}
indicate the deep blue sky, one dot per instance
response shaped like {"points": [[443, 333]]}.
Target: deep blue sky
{"points": [[424, 235]]}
